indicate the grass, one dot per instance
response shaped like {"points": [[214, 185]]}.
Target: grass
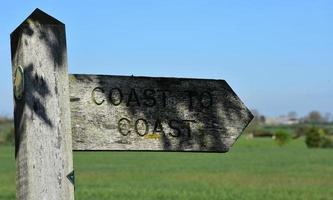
{"points": [[253, 169]]}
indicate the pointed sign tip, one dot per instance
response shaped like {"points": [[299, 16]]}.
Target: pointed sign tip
{"points": [[40, 17], [43, 18]]}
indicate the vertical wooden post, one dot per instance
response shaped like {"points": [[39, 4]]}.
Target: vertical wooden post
{"points": [[42, 113]]}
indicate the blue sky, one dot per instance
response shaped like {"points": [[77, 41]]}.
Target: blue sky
{"points": [[277, 55]]}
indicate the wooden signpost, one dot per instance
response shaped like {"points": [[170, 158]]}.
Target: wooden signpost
{"points": [[56, 113]]}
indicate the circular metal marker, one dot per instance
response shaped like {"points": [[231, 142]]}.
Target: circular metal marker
{"points": [[18, 83]]}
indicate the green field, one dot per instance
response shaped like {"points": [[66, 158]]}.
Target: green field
{"points": [[254, 169]]}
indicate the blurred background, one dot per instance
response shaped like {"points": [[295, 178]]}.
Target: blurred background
{"points": [[276, 55]]}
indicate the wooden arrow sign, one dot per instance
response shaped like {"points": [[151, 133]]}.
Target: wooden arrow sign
{"points": [[158, 114]]}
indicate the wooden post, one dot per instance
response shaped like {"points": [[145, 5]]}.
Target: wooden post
{"points": [[42, 111]]}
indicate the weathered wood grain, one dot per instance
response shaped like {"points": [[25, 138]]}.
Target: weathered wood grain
{"points": [[42, 115], [159, 114]]}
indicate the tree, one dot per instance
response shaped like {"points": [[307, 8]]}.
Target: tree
{"points": [[292, 115], [282, 137], [314, 117], [10, 136], [314, 137]]}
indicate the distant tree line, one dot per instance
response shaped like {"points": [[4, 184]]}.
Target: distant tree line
{"points": [[315, 117], [315, 127]]}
